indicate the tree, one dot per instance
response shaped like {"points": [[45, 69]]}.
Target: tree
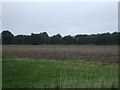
{"points": [[22, 39], [83, 39], [56, 39], [7, 37], [44, 38], [41, 38], [115, 38], [106, 39], [35, 39], [68, 40], [118, 38]]}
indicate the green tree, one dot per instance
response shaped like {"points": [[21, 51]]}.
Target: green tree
{"points": [[56, 39], [22, 39], [106, 39], [68, 40], [44, 38], [83, 39], [7, 37], [41, 38]]}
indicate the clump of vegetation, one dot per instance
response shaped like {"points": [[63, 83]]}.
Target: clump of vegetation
{"points": [[44, 38]]}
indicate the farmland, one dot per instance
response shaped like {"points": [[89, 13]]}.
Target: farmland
{"points": [[42, 73], [63, 52], [60, 66]]}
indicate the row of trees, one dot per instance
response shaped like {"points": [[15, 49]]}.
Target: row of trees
{"points": [[43, 38]]}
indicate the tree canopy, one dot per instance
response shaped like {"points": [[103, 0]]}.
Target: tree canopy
{"points": [[43, 38], [7, 37]]}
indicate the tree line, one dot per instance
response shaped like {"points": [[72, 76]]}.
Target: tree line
{"points": [[43, 38]]}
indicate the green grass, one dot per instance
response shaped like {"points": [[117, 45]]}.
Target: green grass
{"points": [[30, 73]]}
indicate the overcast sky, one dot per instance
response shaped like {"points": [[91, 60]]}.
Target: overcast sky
{"points": [[64, 18]]}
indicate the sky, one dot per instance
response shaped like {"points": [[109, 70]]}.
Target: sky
{"points": [[65, 18]]}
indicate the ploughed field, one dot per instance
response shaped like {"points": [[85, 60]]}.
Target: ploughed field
{"points": [[63, 52]]}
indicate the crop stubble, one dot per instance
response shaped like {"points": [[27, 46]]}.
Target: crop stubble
{"points": [[63, 52]]}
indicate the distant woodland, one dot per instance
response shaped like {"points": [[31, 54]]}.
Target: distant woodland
{"points": [[43, 38]]}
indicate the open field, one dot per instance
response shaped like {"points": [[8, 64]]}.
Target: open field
{"points": [[63, 52], [60, 66], [41, 73]]}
